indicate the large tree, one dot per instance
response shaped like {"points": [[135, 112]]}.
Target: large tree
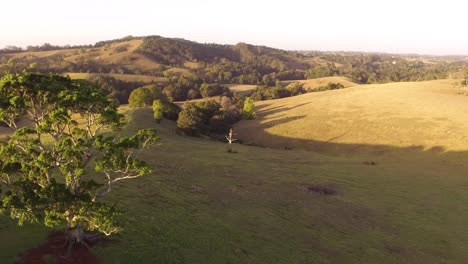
{"points": [[62, 157]]}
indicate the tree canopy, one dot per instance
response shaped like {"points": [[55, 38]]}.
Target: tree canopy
{"points": [[249, 109], [57, 164]]}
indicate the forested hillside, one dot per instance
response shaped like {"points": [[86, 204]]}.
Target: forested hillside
{"points": [[122, 65]]}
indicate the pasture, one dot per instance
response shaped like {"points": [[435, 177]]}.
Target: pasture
{"points": [[263, 205]]}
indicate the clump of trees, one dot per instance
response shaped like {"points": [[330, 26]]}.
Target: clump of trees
{"points": [[378, 68], [164, 109], [117, 89], [278, 91], [209, 90], [329, 86], [319, 71], [296, 88], [181, 88], [144, 96], [207, 117], [55, 170], [269, 93]]}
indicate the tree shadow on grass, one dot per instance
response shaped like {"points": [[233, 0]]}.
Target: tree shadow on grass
{"points": [[256, 132]]}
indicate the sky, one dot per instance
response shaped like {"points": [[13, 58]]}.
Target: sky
{"points": [[396, 26]]}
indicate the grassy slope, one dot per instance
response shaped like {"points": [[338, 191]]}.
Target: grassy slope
{"points": [[315, 83], [246, 88], [122, 77], [203, 205], [424, 114]]}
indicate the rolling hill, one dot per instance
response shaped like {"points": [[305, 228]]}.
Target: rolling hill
{"points": [[427, 115], [241, 63], [372, 173], [262, 205]]}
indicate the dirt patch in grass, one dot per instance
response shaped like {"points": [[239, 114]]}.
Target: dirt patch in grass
{"points": [[55, 251], [321, 189]]}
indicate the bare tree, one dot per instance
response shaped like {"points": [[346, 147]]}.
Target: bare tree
{"points": [[230, 138]]}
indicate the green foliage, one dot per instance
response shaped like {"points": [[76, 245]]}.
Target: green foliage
{"points": [[193, 94], [144, 96], [181, 88], [248, 112], [44, 167], [329, 86], [322, 71], [158, 110], [238, 99], [209, 90], [190, 119], [269, 93], [170, 111], [116, 89], [296, 88], [165, 109], [207, 117]]}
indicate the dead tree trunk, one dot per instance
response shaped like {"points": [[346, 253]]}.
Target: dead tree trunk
{"points": [[230, 138]]}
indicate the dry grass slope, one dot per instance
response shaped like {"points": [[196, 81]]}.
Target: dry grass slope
{"points": [[122, 77], [244, 88], [426, 114], [315, 83]]}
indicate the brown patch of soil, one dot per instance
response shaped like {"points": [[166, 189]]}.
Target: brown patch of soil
{"points": [[55, 251], [323, 190]]}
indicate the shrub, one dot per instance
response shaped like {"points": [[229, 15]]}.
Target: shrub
{"points": [[158, 110], [248, 112]]}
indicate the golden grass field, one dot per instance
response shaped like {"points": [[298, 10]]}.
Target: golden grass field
{"points": [[122, 77], [244, 88], [119, 53], [415, 114], [315, 83]]}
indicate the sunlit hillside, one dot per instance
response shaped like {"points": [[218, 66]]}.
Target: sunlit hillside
{"points": [[420, 114]]}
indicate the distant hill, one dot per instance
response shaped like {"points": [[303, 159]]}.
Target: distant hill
{"points": [[241, 63], [153, 56]]}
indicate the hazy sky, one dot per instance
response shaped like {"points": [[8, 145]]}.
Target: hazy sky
{"points": [[429, 27]]}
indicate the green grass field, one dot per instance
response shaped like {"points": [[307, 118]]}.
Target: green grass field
{"points": [[204, 205]]}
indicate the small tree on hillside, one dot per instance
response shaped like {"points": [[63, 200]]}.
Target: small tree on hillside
{"points": [[248, 112], [230, 138], [158, 110], [57, 168]]}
